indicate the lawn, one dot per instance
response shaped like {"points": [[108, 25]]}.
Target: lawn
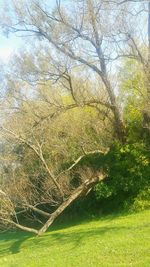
{"points": [[121, 240]]}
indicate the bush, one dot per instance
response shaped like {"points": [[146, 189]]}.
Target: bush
{"points": [[142, 201], [128, 169]]}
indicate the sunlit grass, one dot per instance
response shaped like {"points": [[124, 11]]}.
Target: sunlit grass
{"points": [[109, 241]]}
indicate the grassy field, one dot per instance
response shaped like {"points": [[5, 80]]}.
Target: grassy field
{"points": [[121, 240]]}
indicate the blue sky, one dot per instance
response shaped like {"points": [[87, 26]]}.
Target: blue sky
{"points": [[9, 45]]}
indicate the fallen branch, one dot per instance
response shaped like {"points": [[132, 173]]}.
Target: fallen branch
{"points": [[81, 190], [24, 228], [44, 213], [80, 158]]}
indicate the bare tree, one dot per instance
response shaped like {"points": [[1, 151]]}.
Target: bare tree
{"points": [[21, 196], [29, 196], [88, 36], [75, 38]]}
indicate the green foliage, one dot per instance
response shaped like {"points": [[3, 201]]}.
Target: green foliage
{"points": [[133, 96], [128, 168], [142, 201]]}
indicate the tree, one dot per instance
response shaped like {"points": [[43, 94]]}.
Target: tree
{"points": [[41, 155], [146, 65], [89, 43], [85, 30]]}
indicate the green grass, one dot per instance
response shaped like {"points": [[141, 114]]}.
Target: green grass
{"points": [[121, 240]]}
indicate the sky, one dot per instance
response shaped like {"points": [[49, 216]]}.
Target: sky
{"points": [[9, 45]]}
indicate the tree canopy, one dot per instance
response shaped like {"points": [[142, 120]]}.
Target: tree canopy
{"points": [[75, 107]]}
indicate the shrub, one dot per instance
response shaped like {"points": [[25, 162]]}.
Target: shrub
{"points": [[142, 201]]}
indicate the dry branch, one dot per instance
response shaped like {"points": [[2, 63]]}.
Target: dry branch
{"points": [[81, 190]]}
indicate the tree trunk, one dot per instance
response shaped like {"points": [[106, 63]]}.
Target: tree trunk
{"points": [[148, 72], [20, 226], [119, 124], [146, 111], [81, 190]]}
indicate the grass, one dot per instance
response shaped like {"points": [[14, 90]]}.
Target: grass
{"points": [[110, 241]]}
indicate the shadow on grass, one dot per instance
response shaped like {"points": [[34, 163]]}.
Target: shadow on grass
{"points": [[16, 239], [75, 239], [49, 239], [64, 222]]}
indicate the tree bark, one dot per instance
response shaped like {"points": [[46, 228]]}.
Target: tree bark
{"points": [[81, 190], [119, 124], [24, 228], [148, 86], [43, 213], [146, 111]]}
